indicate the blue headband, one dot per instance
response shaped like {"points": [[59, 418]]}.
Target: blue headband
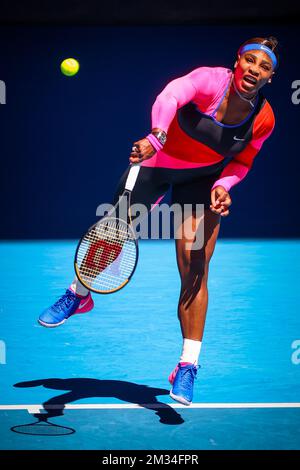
{"points": [[261, 47]]}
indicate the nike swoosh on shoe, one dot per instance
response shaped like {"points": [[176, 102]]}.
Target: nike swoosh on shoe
{"points": [[80, 306]]}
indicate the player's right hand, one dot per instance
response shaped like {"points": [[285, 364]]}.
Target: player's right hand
{"points": [[141, 150]]}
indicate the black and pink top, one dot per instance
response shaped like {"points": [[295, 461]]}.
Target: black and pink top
{"points": [[186, 109]]}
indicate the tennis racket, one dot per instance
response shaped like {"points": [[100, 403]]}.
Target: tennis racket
{"points": [[107, 254]]}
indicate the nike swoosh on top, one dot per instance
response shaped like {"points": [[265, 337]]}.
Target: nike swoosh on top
{"points": [[236, 138]]}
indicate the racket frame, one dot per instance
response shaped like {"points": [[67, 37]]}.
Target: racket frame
{"points": [[77, 271], [129, 185]]}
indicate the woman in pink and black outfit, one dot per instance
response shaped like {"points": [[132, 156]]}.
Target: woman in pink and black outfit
{"points": [[207, 128]]}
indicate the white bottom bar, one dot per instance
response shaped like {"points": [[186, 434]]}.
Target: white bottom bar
{"points": [[117, 406]]}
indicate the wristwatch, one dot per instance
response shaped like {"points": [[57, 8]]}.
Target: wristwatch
{"points": [[161, 136]]}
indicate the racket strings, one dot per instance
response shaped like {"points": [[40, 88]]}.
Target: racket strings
{"points": [[107, 255], [89, 273], [93, 272], [103, 280], [102, 262]]}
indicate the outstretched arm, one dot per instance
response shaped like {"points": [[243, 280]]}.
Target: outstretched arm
{"points": [[177, 93], [201, 85]]}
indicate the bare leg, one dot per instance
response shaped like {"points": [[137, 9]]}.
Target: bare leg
{"points": [[193, 268]]}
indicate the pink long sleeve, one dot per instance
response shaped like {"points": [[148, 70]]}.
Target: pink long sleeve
{"points": [[239, 167], [176, 94], [232, 174], [203, 85]]}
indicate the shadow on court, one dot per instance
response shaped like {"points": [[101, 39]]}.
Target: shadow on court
{"points": [[78, 389]]}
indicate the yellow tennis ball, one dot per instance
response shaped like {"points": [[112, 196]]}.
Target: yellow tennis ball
{"points": [[69, 67]]}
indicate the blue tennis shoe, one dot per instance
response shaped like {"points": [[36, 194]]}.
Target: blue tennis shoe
{"points": [[182, 379], [66, 306]]}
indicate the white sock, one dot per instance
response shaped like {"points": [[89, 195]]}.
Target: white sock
{"points": [[78, 288], [190, 351]]}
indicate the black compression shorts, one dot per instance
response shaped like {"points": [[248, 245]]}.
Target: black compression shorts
{"points": [[188, 186]]}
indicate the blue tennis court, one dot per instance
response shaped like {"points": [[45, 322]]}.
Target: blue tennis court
{"points": [[104, 375]]}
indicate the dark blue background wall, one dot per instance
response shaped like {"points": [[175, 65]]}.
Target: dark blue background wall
{"points": [[65, 141]]}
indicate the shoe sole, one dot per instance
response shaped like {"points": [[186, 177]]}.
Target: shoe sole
{"points": [[49, 325], [180, 399]]}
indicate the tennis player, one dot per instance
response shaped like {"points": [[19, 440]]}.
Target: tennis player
{"points": [[207, 128]]}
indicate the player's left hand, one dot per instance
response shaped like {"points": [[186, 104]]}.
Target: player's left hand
{"points": [[141, 150], [220, 201]]}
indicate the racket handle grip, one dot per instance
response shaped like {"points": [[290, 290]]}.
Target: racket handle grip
{"points": [[132, 176]]}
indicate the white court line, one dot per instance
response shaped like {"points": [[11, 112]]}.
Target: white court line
{"points": [[117, 406]]}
